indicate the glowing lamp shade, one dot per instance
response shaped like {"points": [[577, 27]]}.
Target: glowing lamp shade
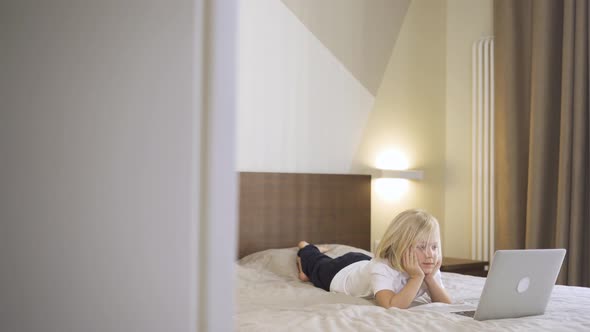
{"points": [[394, 177], [392, 159], [391, 189]]}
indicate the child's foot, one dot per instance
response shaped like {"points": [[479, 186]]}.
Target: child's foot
{"points": [[303, 244]]}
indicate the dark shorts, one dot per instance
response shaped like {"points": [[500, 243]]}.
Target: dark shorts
{"points": [[321, 269]]}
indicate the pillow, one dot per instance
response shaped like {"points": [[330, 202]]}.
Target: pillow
{"points": [[341, 249], [283, 263]]}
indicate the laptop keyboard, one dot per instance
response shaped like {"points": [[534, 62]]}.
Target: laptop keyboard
{"points": [[468, 313]]}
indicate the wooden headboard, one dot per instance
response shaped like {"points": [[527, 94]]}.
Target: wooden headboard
{"points": [[277, 210]]}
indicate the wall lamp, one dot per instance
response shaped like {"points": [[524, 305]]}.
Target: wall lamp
{"points": [[393, 175], [410, 174]]}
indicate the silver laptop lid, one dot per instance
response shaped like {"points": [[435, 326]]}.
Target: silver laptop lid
{"points": [[519, 283]]}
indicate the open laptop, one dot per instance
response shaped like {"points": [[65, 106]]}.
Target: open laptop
{"points": [[519, 284]]}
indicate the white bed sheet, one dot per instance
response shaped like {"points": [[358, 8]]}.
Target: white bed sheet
{"points": [[271, 298]]}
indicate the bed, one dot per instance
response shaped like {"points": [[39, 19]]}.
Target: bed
{"points": [[277, 210]]}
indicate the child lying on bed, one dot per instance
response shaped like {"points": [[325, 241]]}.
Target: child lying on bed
{"points": [[406, 264]]}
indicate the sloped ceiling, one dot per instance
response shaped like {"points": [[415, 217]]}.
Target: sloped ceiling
{"points": [[360, 34]]}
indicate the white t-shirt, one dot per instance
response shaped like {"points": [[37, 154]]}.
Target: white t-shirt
{"points": [[366, 278], [353, 280]]}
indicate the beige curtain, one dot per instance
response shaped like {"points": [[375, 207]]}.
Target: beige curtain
{"points": [[542, 124]]}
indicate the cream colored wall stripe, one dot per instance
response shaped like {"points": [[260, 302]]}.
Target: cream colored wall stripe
{"points": [[482, 150]]}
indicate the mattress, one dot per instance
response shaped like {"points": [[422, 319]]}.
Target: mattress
{"points": [[270, 297]]}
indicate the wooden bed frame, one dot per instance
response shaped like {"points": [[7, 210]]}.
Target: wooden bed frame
{"points": [[277, 210]]}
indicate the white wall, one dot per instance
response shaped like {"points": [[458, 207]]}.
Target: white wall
{"points": [[409, 114], [300, 109], [467, 21], [360, 34], [217, 190], [100, 137]]}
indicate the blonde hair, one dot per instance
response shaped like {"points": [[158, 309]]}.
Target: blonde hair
{"points": [[405, 230]]}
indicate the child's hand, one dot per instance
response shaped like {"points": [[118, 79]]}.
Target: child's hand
{"points": [[430, 276], [410, 264]]}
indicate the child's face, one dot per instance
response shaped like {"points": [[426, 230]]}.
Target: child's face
{"points": [[427, 253]]}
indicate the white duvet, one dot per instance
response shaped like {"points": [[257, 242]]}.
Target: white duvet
{"points": [[271, 298]]}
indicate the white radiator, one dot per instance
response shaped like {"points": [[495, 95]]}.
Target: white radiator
{"points": [[482, 230]]}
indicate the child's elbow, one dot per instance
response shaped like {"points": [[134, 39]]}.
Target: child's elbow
{"points": [[397, 304]]}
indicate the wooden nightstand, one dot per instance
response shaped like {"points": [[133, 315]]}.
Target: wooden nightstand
{"points": [[465, 266]]}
